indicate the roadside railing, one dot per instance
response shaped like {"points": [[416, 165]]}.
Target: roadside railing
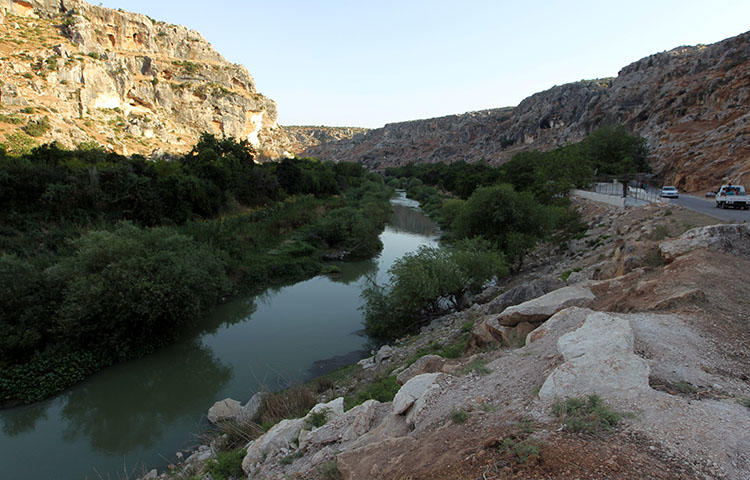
{"points": [[636, 192]]}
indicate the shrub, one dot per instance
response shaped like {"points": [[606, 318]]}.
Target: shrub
{"points": [[513, 221], [477, 366], [459, 416], [37, 128], [588, 415], [294, 402], [227, 465], [382, 390], [521, 450], [19, 143], [12, 119], [319, 418], [26, 313], [329, 470], [427, 283], [132, 289]]}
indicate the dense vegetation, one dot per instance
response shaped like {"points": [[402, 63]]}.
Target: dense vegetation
{"points": [[105, 258], [505, 211], [428, 283]]}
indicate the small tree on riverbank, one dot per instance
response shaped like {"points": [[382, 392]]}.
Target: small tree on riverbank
{"points": [[428, 283]]}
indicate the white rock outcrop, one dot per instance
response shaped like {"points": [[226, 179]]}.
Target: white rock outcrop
{"points": [[425, 364], [732, 239], [281, 435], [599, 359], [412, 391], [223, 410], [542, 308]]}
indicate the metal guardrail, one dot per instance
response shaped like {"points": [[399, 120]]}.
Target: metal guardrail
{"points": [[643, 193]]}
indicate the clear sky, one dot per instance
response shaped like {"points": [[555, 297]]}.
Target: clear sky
{"points": [[352, 63]]}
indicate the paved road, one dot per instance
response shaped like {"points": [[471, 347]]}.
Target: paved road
{"points": [[707, 206]]}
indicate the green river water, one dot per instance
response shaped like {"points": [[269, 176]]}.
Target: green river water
{"points": [[140, 413]]}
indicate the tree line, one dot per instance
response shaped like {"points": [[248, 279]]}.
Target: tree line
{"points": [[492, 217], [105, 258]]}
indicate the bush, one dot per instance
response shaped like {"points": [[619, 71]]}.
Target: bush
{"points": [[520, 450], [427, 283], [329, 470], [382, 390], [132, 289], [227, 465], [513, 221], [26, 313], [37, 128], [459, 416], [318, 419], [294, 402], [18, 143], [349, 231], [588, 415]]}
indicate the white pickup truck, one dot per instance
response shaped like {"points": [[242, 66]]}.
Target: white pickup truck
{"points": [[732, 196]]}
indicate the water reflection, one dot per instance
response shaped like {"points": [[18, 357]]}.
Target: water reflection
{"points": [[352, 272], [143, 411], [24, 419], [406, 219], [230, 313], [131, 407]]}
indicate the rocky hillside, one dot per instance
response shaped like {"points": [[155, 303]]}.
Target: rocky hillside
{"points": [[619, 313], [304, 137], [692, 104], [73, 72]]}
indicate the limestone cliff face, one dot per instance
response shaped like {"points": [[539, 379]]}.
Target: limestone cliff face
{"points": [[692, 104], [124, 80], [304, 137]]}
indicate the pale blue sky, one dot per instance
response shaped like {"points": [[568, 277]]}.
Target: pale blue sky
{"points": [[369, 63]]}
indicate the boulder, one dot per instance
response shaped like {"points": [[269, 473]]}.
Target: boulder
{"points": [[425, 364], [572, 316], [250, 409], [523, 293], [152, 475], [599, 359], [281, 435], [9, 96], [201, 455], [366, 363], [384, 353], [509, 336], [421, 405], [361, 419], [346, 427], [480, 334], [224, 410], [732, 239], [335, 408], [413, 390], [540, 309]]}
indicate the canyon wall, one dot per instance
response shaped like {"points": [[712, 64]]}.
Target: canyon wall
{"points": [[692, 104], [126, 81]]}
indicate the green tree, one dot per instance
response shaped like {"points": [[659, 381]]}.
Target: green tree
{"points": [[428, 283], [511, 220], [132, 289]]}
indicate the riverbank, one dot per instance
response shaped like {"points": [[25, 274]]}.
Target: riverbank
{"points": [[254, 342], [107, 258], [669, 345]]}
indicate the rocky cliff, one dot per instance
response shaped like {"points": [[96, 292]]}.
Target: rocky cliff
{"points": [[124, 80], [692, 104], [304, 137]]}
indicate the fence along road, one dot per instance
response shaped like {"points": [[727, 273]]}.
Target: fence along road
{"points": [[640, 196]]}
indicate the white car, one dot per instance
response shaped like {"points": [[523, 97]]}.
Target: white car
{"points": [[669, 192]]}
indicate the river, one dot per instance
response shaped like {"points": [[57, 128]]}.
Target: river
{"points": [[142, 412]]}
